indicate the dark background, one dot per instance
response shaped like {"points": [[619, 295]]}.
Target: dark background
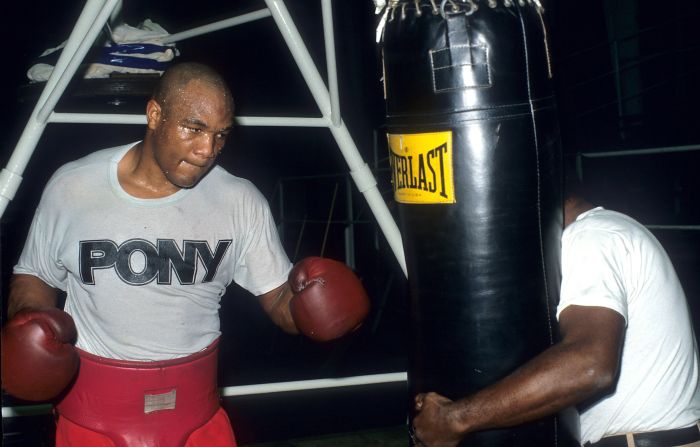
{"points": [[625, 78]]}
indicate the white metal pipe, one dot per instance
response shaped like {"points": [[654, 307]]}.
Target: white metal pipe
{"points": [[87, 16], [26, 410], [247, 390], [216, 26], [11, 176], [300, 53], [115, 12], [90, 35], [329, 39], [115, 118], [358, 168], [97, 118], [314, 384], [651, 151], [281, 121], [367, 185]]}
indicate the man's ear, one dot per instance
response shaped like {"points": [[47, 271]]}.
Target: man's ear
{"points": [[154, 114]]}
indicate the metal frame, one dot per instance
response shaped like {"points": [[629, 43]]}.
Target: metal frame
{"points": [[247, 390], [93, 17]]}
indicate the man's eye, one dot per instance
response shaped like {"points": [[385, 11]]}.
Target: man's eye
{"points": [[192, 129]]}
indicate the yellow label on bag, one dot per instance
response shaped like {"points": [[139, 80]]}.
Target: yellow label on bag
{"points": [[421, 167]]}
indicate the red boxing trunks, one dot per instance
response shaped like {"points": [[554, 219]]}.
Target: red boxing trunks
{"points": [[145, 403]]}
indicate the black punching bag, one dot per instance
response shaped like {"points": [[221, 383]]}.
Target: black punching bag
{"points": [[476, 169]]}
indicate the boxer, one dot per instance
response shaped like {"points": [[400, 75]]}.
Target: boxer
{"points": [[144, 238]]}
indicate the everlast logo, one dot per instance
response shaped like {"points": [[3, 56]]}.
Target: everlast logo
{"points": [[421, 167], [404, 175], [157, 261]]}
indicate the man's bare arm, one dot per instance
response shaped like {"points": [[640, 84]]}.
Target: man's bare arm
{"points": [[584, 364], [29, 292], [276, 305]]}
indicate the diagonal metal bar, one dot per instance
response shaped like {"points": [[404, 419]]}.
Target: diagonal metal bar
{"points": [[216, 26], [359, 170], [94, 15]]}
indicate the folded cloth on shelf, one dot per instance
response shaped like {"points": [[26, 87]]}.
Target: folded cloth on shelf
{"points": [[148, 31], [131, 50]]}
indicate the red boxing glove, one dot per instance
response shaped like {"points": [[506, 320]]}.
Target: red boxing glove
{"points": [[38, 357], [329, 300]]}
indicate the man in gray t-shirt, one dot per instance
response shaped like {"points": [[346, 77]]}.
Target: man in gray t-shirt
{"points": [[145, 238]]}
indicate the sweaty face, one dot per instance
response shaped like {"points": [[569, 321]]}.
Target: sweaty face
{"points": [[191, 131]]}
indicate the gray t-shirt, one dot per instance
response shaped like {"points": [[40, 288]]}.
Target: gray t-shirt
{"points": [[144, 277]]}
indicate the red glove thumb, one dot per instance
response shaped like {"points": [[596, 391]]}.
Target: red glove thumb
{"points": [[38, 357], [329, 299]]}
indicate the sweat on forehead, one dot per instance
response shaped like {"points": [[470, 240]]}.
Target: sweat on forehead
{"points": [[178, 76]]}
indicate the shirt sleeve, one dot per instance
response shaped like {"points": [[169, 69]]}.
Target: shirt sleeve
{"points": [[592, 271], [38, 256], [263, 264]]}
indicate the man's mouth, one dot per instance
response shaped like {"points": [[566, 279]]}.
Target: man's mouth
{"points": [[196, 165]]}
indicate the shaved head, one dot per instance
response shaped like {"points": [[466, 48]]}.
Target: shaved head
{"points": [[175, 79], [188, 119]]}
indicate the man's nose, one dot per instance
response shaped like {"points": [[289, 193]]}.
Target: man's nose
{"points": [[206, 146]]}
